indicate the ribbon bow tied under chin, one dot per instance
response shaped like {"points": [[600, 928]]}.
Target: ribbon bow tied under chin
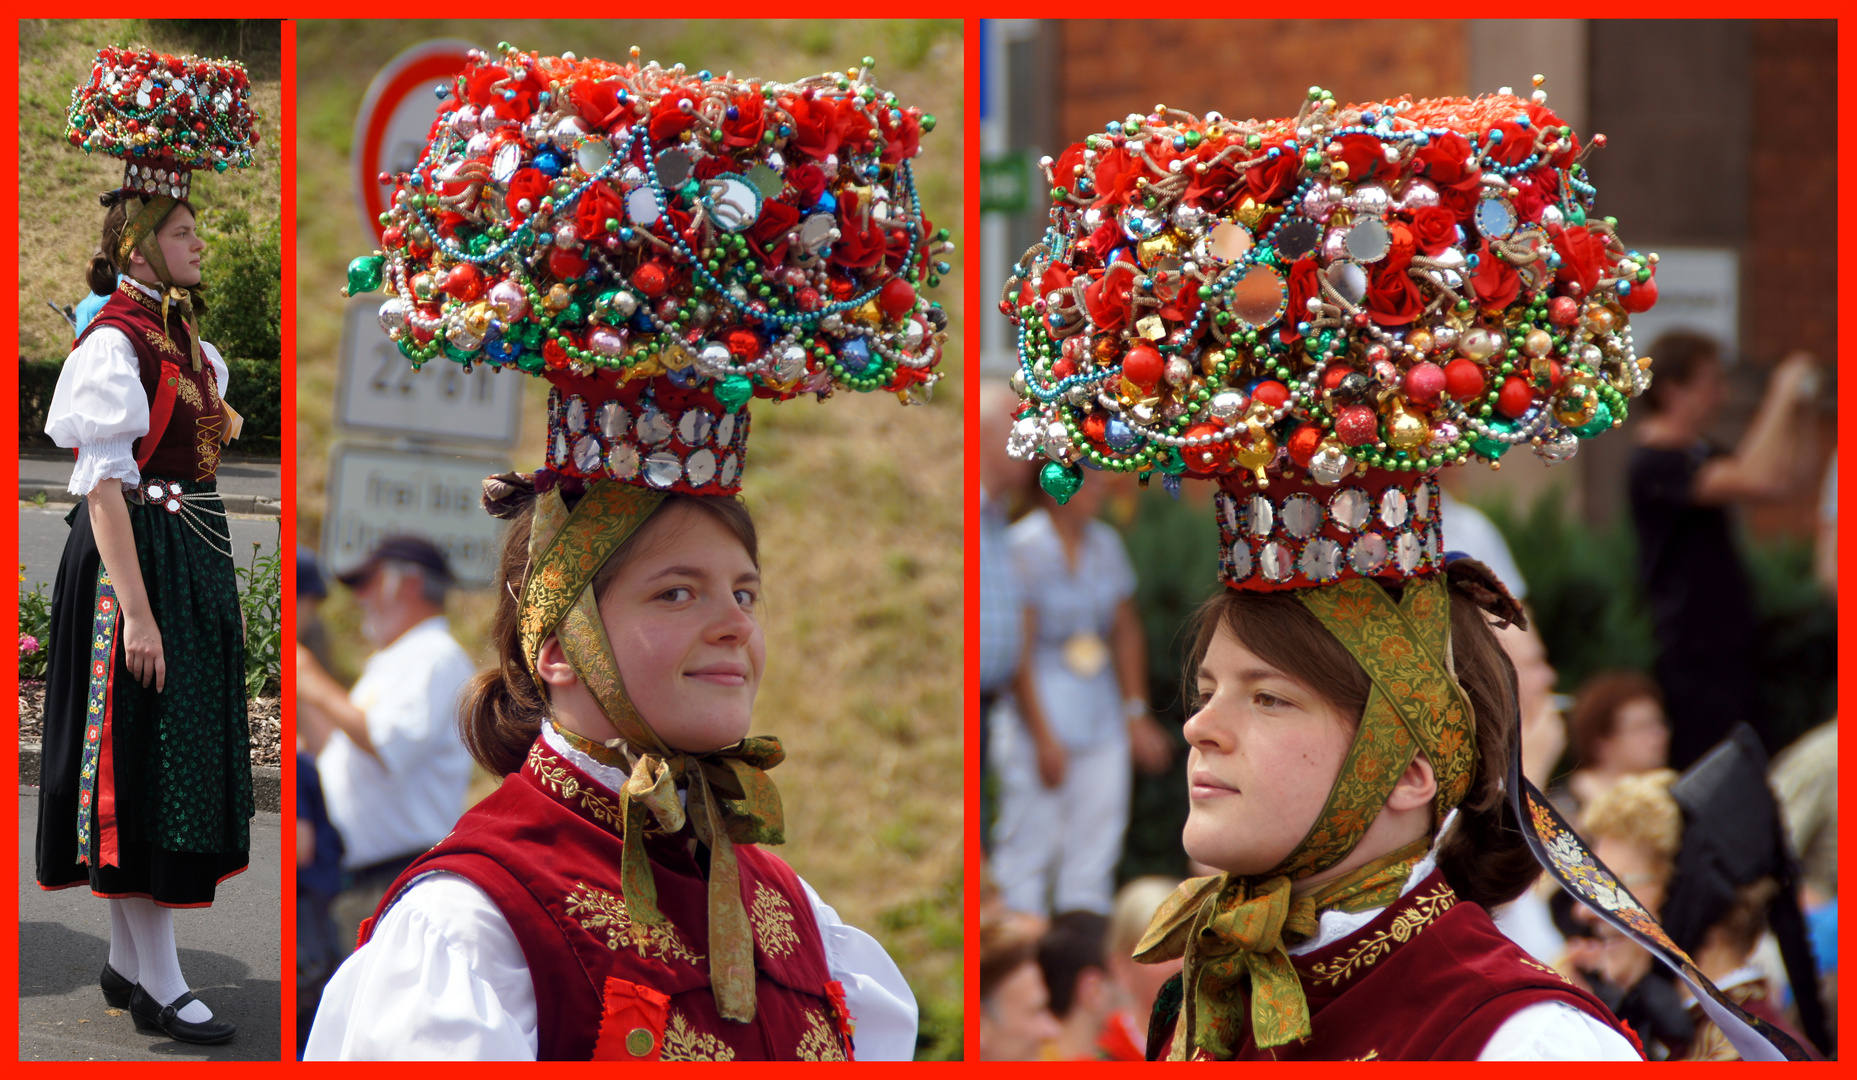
{"points": [[727, 800]]}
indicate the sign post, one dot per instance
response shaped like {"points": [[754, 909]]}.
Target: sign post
{"points": [[426, 438]]}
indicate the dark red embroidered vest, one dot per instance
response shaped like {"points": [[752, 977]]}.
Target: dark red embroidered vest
{"points": [[1429, 979], [186, 417], [546, 847]]}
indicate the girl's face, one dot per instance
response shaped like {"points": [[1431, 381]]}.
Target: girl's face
{"points": [[681, 618], [180, 246], [1265, 751]]}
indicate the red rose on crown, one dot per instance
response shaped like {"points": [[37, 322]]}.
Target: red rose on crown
{"points": [[815, 125], [1583, 257], [748, 123], [1434, 228]]}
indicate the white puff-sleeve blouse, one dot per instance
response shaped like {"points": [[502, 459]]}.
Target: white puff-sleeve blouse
{"points": [[100, 408]]}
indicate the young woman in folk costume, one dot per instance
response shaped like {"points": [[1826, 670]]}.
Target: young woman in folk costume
{"points": [[145, 785], [663, 247], [1319, 313]]}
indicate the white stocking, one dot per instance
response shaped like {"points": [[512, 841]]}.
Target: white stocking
{"points": [[159, 966], [122, 944]]}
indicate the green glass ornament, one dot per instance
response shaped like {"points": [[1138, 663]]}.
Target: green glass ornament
{"points": [[734, 391], [1599, 424], [364, 274], [1060, 481]]}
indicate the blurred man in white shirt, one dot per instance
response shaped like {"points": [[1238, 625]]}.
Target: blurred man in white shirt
{"points": [[394, 770]]}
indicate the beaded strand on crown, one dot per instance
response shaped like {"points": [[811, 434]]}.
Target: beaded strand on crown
{"points": [[1376, 289], [663, 246]]}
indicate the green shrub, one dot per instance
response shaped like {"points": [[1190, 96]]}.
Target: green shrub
{"points": [[244, 274], [35, 623], [37, 380], [261, 599], [255, 389]]}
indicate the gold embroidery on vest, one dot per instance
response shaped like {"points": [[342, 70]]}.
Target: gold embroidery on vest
{"points": [[1406, 926], [684, 1043], [773, 922], [1539, 966], [597, 909], [160, 340], [820, 1042], [1371, 1055], [187, 390], [558, 779]]}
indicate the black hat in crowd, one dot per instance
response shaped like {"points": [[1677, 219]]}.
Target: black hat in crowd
{"points": [[416, 550]]}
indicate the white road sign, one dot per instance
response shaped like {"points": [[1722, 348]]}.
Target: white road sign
{"points": [[379, 390], [395, 118], [377, 493]]}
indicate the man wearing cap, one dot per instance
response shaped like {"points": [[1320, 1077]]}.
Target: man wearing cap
{"points": [[393, 769]]}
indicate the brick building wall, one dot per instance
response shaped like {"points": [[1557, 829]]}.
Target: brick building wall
{"points": [[1790, 282], [1248, 68]]}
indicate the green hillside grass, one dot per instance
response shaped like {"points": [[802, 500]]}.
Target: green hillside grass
{"points": [[858, 500], [59, 219]]}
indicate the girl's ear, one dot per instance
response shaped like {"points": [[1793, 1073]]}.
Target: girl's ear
{"points": [[552, 666], [1416, 787]]}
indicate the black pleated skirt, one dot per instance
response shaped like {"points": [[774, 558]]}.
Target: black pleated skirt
{"points": [[143, 793]]}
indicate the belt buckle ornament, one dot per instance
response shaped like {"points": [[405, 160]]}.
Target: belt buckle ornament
{"points": [[165, 494]]}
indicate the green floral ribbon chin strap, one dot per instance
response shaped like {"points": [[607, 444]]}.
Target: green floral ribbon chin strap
{"points": [[730, 798], [143, 214], [1229, 928]]}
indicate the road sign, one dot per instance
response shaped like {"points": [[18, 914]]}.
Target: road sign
{"points": [[1005, 182], [395, 118], [375, 493], [378, 390]]}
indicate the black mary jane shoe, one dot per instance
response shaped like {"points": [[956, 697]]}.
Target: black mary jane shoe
{"points": [[149, 1016], [116, 989]]}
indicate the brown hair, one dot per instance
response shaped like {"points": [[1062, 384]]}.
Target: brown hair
{"points": [[1006, 945], [1596, 708], [1484, 858], [1746, 919], [1675, 359], [101, 274], [505, 706]]}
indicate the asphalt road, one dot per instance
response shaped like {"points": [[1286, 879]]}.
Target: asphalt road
{"points": [[42, 533], [230, 954]]}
